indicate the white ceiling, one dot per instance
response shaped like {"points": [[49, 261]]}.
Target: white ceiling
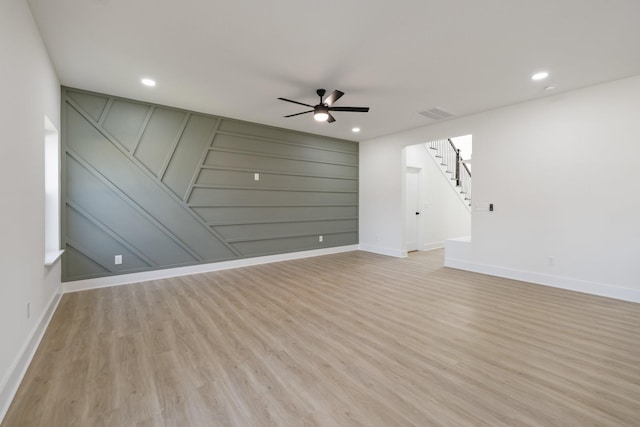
{"points": [[234, 58]]}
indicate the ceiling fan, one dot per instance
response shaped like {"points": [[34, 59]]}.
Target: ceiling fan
{"points": [[321, 111]]}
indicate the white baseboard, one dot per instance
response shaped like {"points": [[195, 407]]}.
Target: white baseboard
{"points": [[126, 279], [578, 285], [18, 369], [398, 253], [431, 246]]}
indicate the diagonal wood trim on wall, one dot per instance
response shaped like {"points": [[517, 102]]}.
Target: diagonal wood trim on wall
{"points": [[164, 187]]}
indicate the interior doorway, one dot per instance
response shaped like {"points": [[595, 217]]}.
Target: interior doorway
{"points": [[436, 206], [412, 209]]}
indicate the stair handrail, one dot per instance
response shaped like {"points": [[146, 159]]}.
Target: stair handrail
{"points": [[459, 161], [449, 155]]}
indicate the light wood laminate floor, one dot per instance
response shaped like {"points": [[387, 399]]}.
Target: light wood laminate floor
{"points": [[353, 339]]}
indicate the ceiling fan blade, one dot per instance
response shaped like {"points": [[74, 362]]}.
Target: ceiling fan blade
{"points": [[295, 102], [331, 119], [335, 95], [352, 109], [297, 114]]}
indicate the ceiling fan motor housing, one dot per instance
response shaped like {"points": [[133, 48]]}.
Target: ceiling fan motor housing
{"points": [[322, 111]]}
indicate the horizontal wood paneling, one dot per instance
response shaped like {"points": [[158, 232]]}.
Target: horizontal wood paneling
{"points": [[264, 214], [262, 231], [313, 142], [166, 187], [257, 163], [283, 244], [237, 143], [237, 197], [271, 181]]}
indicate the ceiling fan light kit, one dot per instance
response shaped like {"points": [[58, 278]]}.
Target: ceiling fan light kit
{"points": [[321, 115], [321, 111]]}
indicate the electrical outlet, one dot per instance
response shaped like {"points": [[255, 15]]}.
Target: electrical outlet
{"points": [[118, 259], [551, 261], [256, 177], [320, 239], [28, 310]]}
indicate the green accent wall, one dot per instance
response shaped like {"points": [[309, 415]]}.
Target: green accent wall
{"points": [[165, 187]]}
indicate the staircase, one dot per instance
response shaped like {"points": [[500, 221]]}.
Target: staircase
{"points": [[448, 157]]}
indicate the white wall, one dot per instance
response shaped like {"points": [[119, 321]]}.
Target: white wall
{"points": [[29, 89], [381, 198], [562, 172], [443, 213]]}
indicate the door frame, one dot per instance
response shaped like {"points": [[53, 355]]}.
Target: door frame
{"points": [[420, 227]]}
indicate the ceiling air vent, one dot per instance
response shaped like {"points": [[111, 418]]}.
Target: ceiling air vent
{"points": [[436, 114]]}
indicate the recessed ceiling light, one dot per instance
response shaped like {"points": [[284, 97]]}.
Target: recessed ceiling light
{"points": [[355, 130], [148, 82], [540, 76]]}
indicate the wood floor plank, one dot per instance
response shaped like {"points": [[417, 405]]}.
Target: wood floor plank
{"points": [[353, 339]]}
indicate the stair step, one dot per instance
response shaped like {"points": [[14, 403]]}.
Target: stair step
{"points": [[439, 153]]}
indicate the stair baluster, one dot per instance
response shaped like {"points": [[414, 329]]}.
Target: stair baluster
{"points": [[449, 157]]}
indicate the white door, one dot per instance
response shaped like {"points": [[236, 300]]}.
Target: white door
{"points": [[412, 212]]}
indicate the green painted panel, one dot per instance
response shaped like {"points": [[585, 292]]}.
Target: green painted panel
{"points": [[83, 234], [257, 163], [293, 244], [124, 122], [234, 197], [262, 231], [85, 190], [80, 266], [129, 166], [249, 215], [141, 190], [233, 179], [186, 158], [265, 132], [234, 142], [92, 104], [158, 138]]}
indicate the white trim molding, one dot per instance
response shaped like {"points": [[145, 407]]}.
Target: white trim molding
{"points": [[577, 285], [51, 257], [9, 385], [432, 246], [398, 253], [126, 279]]}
